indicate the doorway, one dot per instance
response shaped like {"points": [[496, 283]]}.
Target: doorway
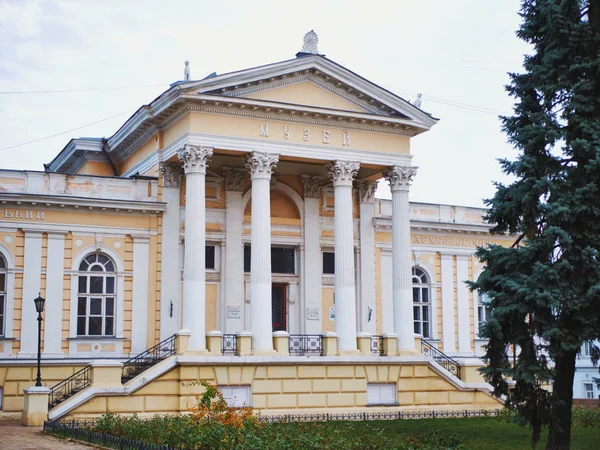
{"points": [[279, 306]]}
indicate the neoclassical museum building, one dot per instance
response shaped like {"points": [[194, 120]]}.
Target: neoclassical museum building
{"points": [[233, 222]]}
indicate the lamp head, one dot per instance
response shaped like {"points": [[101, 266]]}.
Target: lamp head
{"points": [[39, 304]]}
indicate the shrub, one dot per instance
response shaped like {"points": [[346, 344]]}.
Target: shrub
{"points": [[586, 417]]}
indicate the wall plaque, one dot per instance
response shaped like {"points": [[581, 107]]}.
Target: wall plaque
{"points": [[233, 312], [312, 313]]}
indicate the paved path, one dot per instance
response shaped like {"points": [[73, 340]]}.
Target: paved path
{"points": [[13, 436]]}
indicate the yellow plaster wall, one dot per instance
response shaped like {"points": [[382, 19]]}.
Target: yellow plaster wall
{"points": [[211, 306], [149, 147], [96, 168], [281, 207], [306, 93], [327, 302]]}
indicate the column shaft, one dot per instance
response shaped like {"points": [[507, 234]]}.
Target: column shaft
{"points": [[54, 293], [32, 273], [367, 312], [343, 173]]}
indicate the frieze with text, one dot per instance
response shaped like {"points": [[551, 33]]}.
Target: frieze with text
{"points": [[20, 214], [326, 137]]}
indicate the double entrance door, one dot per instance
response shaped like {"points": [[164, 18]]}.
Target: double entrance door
{"points": [[279, 293]]}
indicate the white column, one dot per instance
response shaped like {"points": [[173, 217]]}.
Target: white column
{"points": [[139, 304], [261, 166], [449, 345], [313, 261], [367, 312], [234, 249], [400, 178], [170, 282], [387, 289], [55, 273], [342, 173], [462, 291], [32, 273], [194, 160]]}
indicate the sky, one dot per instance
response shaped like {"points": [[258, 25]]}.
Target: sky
{"points": [[103, 59]]}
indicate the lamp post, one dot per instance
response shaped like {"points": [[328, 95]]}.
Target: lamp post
{"points": [[39, 307]]}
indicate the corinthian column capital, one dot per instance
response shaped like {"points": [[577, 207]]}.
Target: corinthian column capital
{"points": [[366, 191], [234, 178], [400, 177], [194, 158], [342, 173], [312, 185], [172, 173], [261, 164]]}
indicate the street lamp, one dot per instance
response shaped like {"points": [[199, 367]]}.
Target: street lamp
{"points": [[39, 307]]}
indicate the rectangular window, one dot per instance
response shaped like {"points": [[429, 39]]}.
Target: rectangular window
{"points": [[588, 389], [236, 396], [2, 301], [328, 263], [381, 394], [210, 257], [585, 349], [283, 260]]}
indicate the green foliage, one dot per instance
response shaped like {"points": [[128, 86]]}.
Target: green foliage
{"points": [[545, 289], [586, 417]]}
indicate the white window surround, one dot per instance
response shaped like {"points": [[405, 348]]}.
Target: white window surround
{"points": [[74, 340], [9, 299], [433, 287], [588, 390], [381, 394], [236, 396]]}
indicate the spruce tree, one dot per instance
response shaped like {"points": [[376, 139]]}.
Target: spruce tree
{"points": [[545, 290]]}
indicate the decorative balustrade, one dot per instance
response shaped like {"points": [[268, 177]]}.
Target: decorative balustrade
{"points": [[149, 358], [441, 358], [69, 387], [306, 344], [229, 344], [377, 345]]}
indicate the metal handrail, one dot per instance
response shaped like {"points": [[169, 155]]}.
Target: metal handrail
{"points": [[377, 345], [305, 344], [138, 364], [69, 386], [229, 344], [441, 358]]}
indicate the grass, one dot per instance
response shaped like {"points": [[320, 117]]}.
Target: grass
{"points": [[488, 433]]}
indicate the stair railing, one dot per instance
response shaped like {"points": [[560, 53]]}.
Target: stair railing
{"points": [[69, 386], [138, 364], [441, 358]]}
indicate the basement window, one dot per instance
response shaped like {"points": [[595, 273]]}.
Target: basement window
{"points": [[381, 394], [236, 396]]}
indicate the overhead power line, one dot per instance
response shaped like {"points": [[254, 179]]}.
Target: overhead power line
{"points": [[63, 91], [66, 131]]}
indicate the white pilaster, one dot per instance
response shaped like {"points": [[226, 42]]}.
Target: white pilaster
{"points": [[194, 160], [342, 174], [54, 293], [399, 178], [447, 266], [261, 166], [387, 290], [462, 293], [139, 304], [313, 260], [366, 193], [32, 273], [170, 286], [234, 249]]}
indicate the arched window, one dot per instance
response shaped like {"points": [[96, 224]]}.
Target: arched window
{"points": [[96, 296], [421, 302], [3, 282]]}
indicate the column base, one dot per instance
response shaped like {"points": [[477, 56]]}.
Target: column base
{"points": [[264, 353], [349, 352]]}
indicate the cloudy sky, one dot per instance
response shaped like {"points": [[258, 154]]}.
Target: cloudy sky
{"points": [[71, 68]]}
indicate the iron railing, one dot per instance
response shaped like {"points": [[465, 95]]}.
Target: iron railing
{"points": [[161, 351], [441, 358], [229, 344], [305, 344], [377, 345], [69, 387], [87, 434]]}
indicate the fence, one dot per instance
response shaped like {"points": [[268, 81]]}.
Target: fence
{"points": [[306, 344]]}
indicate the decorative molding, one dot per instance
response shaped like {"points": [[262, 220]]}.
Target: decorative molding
{"points": [[400, 177], [213, 276], [261, 164], [342, 173], [312, 185], [366, 190], [172, 173], [234, 178], [194, 158]]}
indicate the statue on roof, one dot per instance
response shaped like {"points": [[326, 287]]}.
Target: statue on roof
{"points": [[418, 100], [186, 71], [311, 42]]}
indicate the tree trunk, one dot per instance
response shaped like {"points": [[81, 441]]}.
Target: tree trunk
{"points": [[559, 434]]}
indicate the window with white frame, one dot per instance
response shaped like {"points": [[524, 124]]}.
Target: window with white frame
{"points": [[421, 302], [586, 349], [96, 296], [381, 394], [588, 390], [3, 282], [483, 309], [236, 396]]}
